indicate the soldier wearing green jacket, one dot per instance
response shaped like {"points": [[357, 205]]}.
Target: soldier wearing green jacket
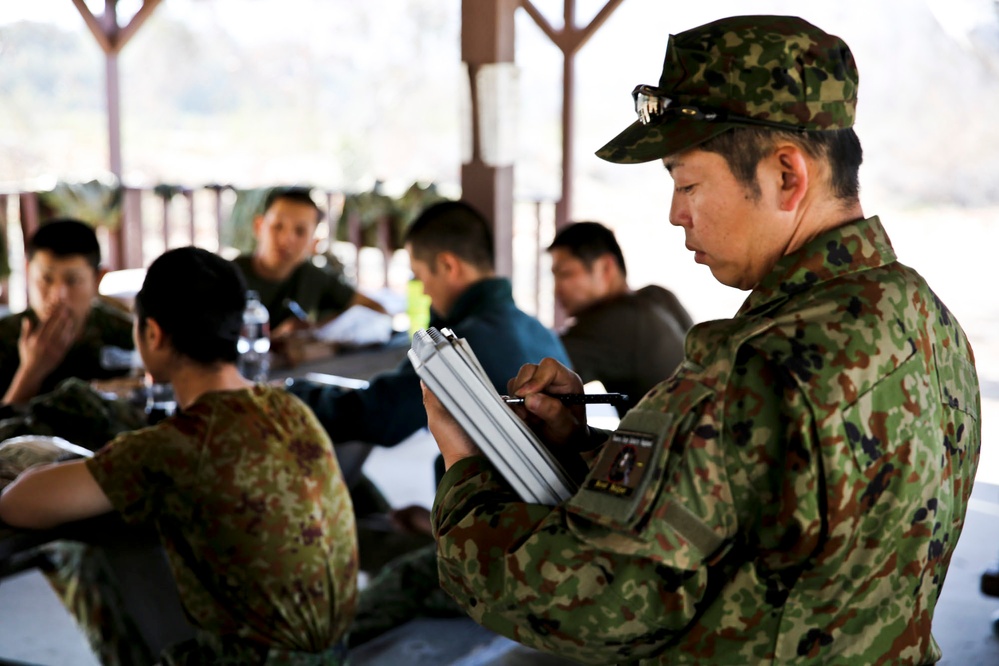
{"points": [[66, 329], [794, 492]]}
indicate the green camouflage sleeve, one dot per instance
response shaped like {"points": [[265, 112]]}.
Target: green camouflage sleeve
{"points": [[603, 579], [544, 579], [595, 579], [793, 494], [133, 467]]}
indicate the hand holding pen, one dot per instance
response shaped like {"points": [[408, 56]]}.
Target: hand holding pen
{"points": [[538, 387], [576, 398]]}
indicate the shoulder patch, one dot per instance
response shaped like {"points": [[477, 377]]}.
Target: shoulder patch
{"points": [[623, 480]]}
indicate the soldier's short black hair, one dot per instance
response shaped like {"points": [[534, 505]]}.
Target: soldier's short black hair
{"points": [[197, 298], [744, 147], [452, 226], [588, 241], [295, 194], [66, 237]]}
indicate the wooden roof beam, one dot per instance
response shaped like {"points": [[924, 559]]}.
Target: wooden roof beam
{"points": [[111, 37], [96, 28], [570, 38]]}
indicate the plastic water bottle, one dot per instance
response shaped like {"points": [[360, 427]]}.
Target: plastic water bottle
{"points": [[254, 344]]}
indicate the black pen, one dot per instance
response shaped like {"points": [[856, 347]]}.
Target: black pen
{"points": [[296, 310], [576, 398]]}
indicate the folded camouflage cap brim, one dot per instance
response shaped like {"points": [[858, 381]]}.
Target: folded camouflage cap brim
{"points": [[779, 69]]}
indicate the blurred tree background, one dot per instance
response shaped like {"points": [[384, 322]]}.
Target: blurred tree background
{"points": [[245, 92], [343, 94]]}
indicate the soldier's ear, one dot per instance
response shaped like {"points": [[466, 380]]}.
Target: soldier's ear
{"points": [[604, 265], [447, 262], [153, 333], [792, 165]]}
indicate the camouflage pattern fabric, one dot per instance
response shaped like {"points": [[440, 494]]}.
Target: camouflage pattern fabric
{"points": [[210, 649], [17, 455], [105, 326], [826, 438], [85, 582], [408, 587], [81, 576], [778, 69], [247, 496], [75, 412]]}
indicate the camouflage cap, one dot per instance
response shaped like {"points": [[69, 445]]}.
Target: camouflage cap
{"points": [[738, 71]]}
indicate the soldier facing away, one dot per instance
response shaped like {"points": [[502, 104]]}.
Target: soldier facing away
{"points": [[242, 484], [801, 481]]}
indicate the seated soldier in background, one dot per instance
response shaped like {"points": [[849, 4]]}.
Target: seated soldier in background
{"points": [[66, 326], [627, 340], [451, 252], [450, 246], [280, 269], [242, 484]]}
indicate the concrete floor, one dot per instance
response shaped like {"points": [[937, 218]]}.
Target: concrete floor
{"points": [[34, 627]]}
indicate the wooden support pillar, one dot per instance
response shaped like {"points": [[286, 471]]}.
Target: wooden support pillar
{"points": [[569, 40], [4, 283], [217, 191], [563, 207], [328, 220], [131, 234], [385, 245], [112, 38], [167, 198], [113, 88], [487, 36], [191, 226], [28, 205]]}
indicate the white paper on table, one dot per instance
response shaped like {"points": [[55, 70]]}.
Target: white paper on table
{"points": [[358, 326]]}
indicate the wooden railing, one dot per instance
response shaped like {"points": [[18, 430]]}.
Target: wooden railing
{"points": [[153, 219], [157, 219]]}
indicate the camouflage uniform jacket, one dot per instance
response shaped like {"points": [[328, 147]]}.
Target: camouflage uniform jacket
{"points": [[792, 495], [105, 326], [247, 496]]}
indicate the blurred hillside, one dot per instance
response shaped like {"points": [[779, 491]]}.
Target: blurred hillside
{"points": [[213, 93], [340, 93]]}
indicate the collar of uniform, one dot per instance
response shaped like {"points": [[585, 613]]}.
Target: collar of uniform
{"points": [[484, 295], [851, 248]]}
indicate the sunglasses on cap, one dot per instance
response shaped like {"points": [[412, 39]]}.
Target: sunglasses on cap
{"points": [[651, 104]]}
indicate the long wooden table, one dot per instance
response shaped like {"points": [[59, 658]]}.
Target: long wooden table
{"points": [[362, 363]]}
